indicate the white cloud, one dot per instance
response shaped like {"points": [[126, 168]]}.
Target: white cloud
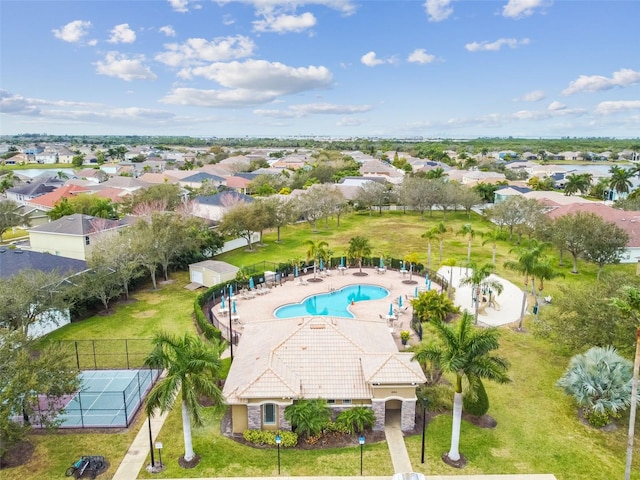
{"points": [[196, 51], [125, 68], [181, 6], [167, 30], [370, 59], [419, 55], [595, 83], [252, 82], [73, 32], [349, 122], [523, 8], [228, 20], [555, 106], [497, 45], [346, 7], [285, 23], [438, 10], [534, 96], [122, 34], [616, 106], [304, 110]]}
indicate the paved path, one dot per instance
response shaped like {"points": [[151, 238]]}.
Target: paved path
{"points": [[395, 442]]}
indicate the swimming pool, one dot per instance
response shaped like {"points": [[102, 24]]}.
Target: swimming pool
{"points": [[332, 304]]}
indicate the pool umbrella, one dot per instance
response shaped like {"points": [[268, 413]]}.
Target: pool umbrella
{"points": [[415, 294], [234, 311], [321, 265], [381, 263], [426, 279], [295, 272], [429, 285], [251, 284], [222, 303], [342, 261], [230, 291], [400, 301], [391, 309]]}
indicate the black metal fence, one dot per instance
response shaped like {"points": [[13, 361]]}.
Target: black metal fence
{"points": [[107, 354]]}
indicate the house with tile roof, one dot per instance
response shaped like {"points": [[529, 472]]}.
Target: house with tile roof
{"points": [[346, 361], [72, 236], [628, 221], [49, 200]]}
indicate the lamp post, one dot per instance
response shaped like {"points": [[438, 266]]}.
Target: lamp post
{"points": [[278, 442], [153, 463], [230, 330], [424, 423], [361, 442], [159, 447]]}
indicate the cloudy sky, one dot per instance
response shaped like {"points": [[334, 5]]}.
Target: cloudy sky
{"points": [[399, 68]]}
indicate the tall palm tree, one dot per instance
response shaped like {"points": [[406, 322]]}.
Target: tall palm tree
{"points": [[411, 259], [429, 235], [528, 259], [493, 236], [466, 352], [192, 368], [629, 304], [359, 248], [620, 179], [577, 183], [479, 281], [439, 231], [470, 233], [315, 251]]}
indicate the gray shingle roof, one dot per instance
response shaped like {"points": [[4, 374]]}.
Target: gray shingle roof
{"points": [[13, 261], [77, 224]]}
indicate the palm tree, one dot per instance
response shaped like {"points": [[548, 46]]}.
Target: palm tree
{"points": [[411, 259], [315, 251], [429, 235], [620, 179], [493, 236], [479, 281], [450, 262], [528, 259], [359, 248], [357, 419], [543, 270], [577, 183], [436, 173], [11, 216], [465, 352], [629, 304], [468, 230], [439, 231], [308, 417], [192, 368]]}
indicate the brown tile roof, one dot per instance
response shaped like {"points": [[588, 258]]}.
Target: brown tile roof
{"points": [[629, 221], [48, 200]]}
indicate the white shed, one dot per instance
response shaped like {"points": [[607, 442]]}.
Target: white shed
{"points": [[212, 272]]}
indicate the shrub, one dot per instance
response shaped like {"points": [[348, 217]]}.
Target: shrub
{"points": [[268, 437], [308, 416], [477, 403], [356, 419]]}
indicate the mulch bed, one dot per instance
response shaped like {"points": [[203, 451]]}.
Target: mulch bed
{"points": [[18, 455]]}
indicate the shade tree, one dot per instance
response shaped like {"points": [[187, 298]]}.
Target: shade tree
{"points": [[11, 216]]}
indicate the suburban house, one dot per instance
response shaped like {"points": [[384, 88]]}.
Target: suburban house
{"points": [[626, 220], [348, 362], [33, 188], [72, 236], [49, 200], [213, 207], [212, 272], [13, 261]]}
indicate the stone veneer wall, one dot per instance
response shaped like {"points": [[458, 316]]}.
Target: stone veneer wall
{"points": [[254, 417], [282, 422], [379, 411], [408, 415]]}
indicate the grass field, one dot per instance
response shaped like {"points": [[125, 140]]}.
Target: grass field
{"points": [[538, 430]]}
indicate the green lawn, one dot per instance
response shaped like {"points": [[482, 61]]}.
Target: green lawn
{"points": [[537, 432]]}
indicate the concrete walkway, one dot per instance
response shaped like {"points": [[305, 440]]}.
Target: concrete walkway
{"points": [[134, 459], [395, 442]]}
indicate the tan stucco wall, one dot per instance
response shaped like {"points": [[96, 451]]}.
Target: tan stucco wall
{"points": [[399, 391], [239, 418], [70, 246]]}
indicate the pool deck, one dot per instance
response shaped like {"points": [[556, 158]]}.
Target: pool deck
{"points": [[261, 307]]}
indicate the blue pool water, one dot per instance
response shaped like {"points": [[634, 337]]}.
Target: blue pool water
{"points": [[332, 304]]}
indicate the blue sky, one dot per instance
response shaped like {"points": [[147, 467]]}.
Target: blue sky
{"points": [[434, 68]]}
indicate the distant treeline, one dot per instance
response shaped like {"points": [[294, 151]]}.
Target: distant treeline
{"points": [[373, 146]]}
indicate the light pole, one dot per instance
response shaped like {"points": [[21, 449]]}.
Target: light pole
{"points": [[424, 423], [361, 442], [159, 447], [230, 330], [278, 442], [153, 462]]}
